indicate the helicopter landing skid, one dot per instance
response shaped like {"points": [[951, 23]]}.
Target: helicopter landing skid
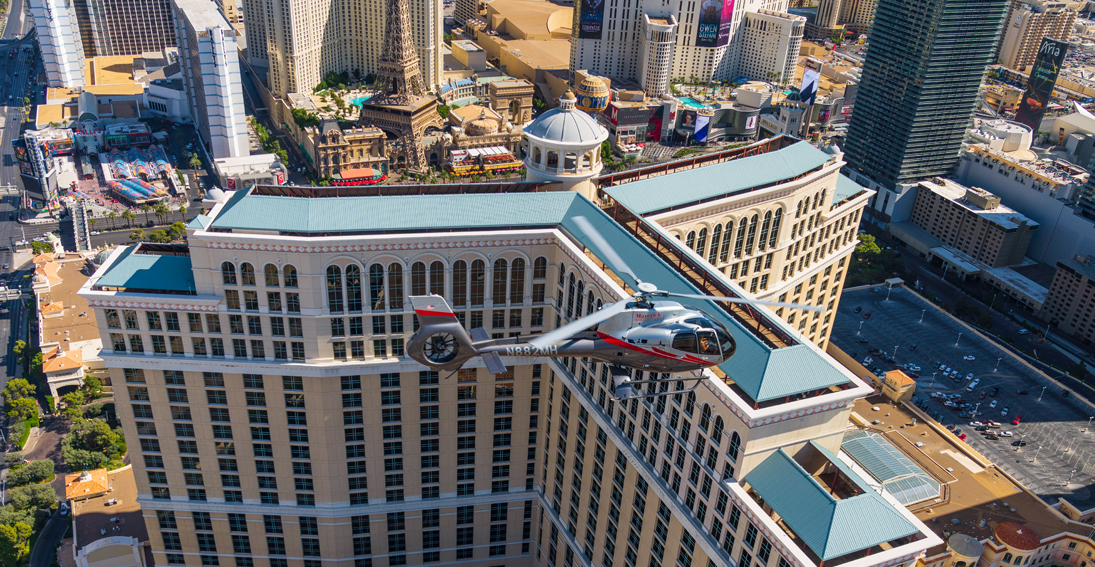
{"points": [[627, 389]]}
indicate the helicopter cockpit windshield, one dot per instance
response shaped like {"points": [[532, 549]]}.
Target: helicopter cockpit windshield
{"points": [[707, 338]]}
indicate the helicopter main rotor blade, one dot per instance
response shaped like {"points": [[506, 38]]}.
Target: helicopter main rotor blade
{"points": [[578, 325], [748, 301], [605, 250]]}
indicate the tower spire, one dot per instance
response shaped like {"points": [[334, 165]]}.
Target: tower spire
{"points": [[398, 75]]}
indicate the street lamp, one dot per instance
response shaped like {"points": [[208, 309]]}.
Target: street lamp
{"points": [[1086, 429], [975, 408], [959, 338], [997, 364], [922, 312], [895, 351], [1043, 393], [1035, 459], [1073, 473], [933, 383], [888, 293], [860, 327]]}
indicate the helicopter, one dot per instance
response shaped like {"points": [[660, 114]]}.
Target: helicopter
{"points": [[647, 331]]}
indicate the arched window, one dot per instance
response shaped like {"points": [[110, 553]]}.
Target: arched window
{"points": [[816, 197], [395, 286], [376, 287], [762, 242], [716, 433], [562, 274], [741, 238], [690, 240], [735, 444], [247, 274], [353, 288], [460, 283], [752, 235], [517, 281], [1007, 558], [580, 293], [570, 297], [437, 278], [715, 236], [590, 307], [690, 403], [334, 289], [705, 417], [725, 252], [290, 274], [774, 238], [798, 210], [539, 268], [701, 242], [478, 282], [272, 279], [418, 279], [498, 285], [228, 273]]}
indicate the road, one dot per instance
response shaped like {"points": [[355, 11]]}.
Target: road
{"points": [[1048, 419]]}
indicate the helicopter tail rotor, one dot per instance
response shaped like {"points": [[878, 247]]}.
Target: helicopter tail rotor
{"points": [[441, 341]]}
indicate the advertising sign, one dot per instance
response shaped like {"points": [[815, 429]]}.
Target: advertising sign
{"points": [[591, 18], [808, 91], [715, 19], [689, 118], [231, 181], [702, 122], [1043, 76], [281, 178], [751, 122]]}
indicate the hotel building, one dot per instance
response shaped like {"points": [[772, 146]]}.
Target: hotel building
{"points": [[274, 418]]}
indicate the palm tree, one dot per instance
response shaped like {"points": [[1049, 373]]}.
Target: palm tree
{"points": [[129, 217], [112, 215], [195, 161], [145, 208], [161, 211], [182, 212]]}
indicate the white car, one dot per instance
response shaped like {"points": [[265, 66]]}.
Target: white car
{"points": [[1006, 434], [969, 376], [1005, 411], [95, 233], [914, 368], [1024, 332], [993, 404], [969, 357]]}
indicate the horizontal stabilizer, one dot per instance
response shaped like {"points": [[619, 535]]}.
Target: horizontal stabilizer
{"points": [[494, 363], [479, 334]]}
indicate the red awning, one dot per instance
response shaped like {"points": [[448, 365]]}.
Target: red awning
{"points": [[357, 173]]}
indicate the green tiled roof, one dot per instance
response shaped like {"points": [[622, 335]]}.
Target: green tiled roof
{"points": [[139, 272], [828, 526], [714, 181], [764, 374], [199, 222], [403, 213], [845, 188]]}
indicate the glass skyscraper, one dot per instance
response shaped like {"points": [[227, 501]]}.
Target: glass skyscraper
{"points": [[919, 88]]}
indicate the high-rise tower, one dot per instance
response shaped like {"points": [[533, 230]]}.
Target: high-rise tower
{"points": [[919, 87]]}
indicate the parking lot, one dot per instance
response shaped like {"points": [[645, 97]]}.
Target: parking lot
{"points": [[1058, 460]]}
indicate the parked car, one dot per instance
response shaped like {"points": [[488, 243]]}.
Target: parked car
{"points": [[1064, 393], [858, 309], [912, 375], [1004, 412], [962, 436], [1018, 419], [867, 315], [861, 340], [972, 385], [981, 428], [1005, 434], [969, 376], [914, 368], [1021, 392], [994, 391], [1019, 443], [992, 437], [969, 357], [1024, 332]]}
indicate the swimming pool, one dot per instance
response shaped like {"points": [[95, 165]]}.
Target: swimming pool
{"points": [[357, 101], [690, 103]]}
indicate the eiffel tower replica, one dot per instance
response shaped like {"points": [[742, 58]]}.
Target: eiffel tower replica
{"points": [[401, 107]]}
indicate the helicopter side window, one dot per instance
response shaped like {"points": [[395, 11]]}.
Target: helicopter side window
{"points": [[708, 343], [685, 341], [726, 342]]}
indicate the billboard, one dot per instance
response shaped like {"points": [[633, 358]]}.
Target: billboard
{"points": [[1040, 85], [808, 90], [751, 122], [715, 19], [591, 18], [702, 122]]}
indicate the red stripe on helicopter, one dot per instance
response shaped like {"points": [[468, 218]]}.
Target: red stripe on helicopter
{"points": [[425, 313], [654, 352]]}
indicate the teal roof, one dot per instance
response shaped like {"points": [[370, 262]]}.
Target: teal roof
{"points": [[199, 222], [148, 272], [716, 181], [763, 373], [845, 188], [828, 526]]}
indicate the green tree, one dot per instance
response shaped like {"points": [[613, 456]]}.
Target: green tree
{"points": [[17, 350], [867, 246], [41, 247], [18, 388], [13, 459], [112, 215], [33, 496], [182, 213], [177, 230], [129, 217], [10, 515], [137, 235], [304, 119], [35, 472], [161, 211], [10, 549], [36, 364], [195, 161], [22, 408], [159, 236], [74, 404], [146, 209], [93, 387], [448, 38], [443, 110]]}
